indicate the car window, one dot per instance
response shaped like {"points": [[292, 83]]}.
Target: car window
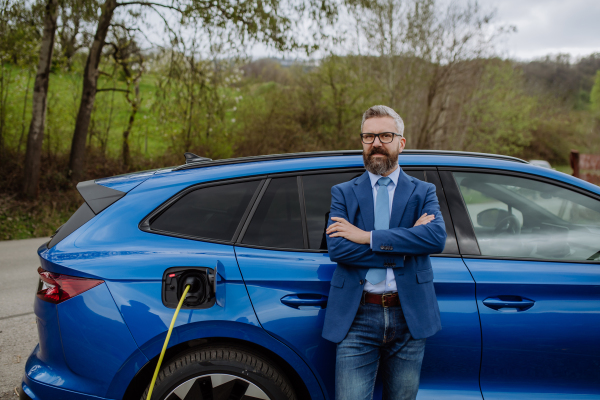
{"points": [[520, 217], [277, 221], [317, 199], [211, 212]]}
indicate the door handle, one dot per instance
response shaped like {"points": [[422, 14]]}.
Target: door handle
{"points": [[515, 302], [303, 300]]}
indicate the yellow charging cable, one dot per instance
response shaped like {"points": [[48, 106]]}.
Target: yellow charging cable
{"points": [[164, 349]]}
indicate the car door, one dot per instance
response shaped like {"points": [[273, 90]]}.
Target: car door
{"points": [[452, 356], [532, 245], [286, 273], [284, 262]]}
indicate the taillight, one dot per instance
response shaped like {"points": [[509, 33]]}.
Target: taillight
{"points": [[56, 288]]}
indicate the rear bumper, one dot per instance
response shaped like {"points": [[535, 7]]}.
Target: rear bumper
{"points": [[33, 390], [89, 354]]}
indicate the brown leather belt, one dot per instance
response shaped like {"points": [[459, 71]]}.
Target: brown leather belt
{"points": [[385, 300]]}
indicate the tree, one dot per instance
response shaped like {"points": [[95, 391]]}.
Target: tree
{"points": [[35, 136], [595, 95], [18, 41], [128, 56], [75, 18], [499, 112], [270, 22], [423, 51], [194, 96]]}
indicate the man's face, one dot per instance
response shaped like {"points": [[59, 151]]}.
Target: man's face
{"points": [[381, 158]]}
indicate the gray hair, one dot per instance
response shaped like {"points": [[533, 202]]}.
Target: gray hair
{"points": [[383, 111]]}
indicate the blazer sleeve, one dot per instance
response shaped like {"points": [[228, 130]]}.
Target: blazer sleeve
{"points": [[418, 240], [352, 254]]}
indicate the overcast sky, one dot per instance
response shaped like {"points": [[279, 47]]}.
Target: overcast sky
{"points": [[543, 27], [549, 26]]}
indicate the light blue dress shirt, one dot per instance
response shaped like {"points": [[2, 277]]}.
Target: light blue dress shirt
{"points": [[389, 285]]}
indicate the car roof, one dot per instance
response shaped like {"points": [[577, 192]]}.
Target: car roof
{"points": [[314, 154], [209, 170]]}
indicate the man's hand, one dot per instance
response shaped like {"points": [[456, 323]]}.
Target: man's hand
{"points": [[424, 219], [343, 228]]}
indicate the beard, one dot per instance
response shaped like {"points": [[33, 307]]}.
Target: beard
{"points": [[379, 165]]}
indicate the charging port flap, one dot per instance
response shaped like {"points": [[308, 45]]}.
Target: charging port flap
{"points": [[202, 291]]}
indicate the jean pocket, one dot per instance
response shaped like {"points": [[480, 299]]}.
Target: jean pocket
{"points": [[425, 276]]}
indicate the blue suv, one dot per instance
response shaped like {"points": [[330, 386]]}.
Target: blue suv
{"points": [[518, 282]]}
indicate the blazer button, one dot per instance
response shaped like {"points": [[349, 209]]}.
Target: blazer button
{"points": [[391, 247], [382, 247], [361, 282]]}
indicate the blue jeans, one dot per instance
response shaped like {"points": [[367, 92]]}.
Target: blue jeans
{"points": [[378, 335]]}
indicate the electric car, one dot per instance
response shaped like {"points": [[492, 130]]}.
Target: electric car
{"points": [[518, 283]]}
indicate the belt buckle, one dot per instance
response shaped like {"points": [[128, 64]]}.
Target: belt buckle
{"points": [[383, 299]]}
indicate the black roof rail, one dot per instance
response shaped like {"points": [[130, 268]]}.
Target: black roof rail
{"points": [[271, 157]]}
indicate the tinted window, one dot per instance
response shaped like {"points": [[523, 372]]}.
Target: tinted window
{"points": [[277, 221], [420, 175], [317, 198], [212, 212], [518, 217]]}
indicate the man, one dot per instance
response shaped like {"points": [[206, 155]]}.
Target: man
{"points": [[382, 304]]}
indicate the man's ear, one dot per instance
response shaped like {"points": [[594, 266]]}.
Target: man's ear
{"points": [[401, 144]]}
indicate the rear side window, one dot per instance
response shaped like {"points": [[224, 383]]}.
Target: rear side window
{"points": [[211, 212], [317, 197], [277, 221]]}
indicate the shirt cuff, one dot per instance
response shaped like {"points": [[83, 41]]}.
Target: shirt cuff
{"points": [[371, 240]]}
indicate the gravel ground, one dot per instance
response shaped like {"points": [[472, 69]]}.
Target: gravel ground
{"points": [[18, 331]]}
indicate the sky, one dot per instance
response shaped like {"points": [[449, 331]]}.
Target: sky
{"points": [[543, 27], [549, 26]]}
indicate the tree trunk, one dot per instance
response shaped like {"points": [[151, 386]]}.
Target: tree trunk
{"points": [[24, 111], [88, 94], [35, 137], [134, 108]]}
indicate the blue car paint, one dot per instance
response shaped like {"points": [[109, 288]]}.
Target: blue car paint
{"points": [[111, 247], [271, 275], [125, 183], [96, 341], [40, 391], [553, 336], [451, 363]]}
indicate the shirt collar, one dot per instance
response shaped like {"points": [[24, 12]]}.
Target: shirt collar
{"points": [[393, 176]]}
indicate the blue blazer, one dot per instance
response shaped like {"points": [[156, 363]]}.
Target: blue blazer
{"points": [[403, 247]]}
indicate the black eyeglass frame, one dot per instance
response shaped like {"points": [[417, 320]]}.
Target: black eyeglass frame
{"points": [[377, 137]]}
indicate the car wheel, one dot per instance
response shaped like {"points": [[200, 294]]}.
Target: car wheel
{"points": [[221, 373]]}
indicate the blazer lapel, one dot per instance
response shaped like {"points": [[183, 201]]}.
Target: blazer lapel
{"points": [[364, 194], [401, 195]]}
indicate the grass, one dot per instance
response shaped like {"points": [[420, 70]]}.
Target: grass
{"points": [[39, 218], [64, 95]]}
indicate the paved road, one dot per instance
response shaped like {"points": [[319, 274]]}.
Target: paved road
{"points": [[18, 331]]}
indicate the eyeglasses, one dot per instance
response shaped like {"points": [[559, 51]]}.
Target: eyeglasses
{"points": [[384, 137]]}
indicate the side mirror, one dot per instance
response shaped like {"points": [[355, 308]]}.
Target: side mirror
{"points": [[489, 218]]}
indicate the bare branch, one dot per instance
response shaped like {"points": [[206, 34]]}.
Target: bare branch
{"points": [[149, 4], [112, 90]]}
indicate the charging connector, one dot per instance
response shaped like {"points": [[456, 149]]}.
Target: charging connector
{"points": [[164, 349]]}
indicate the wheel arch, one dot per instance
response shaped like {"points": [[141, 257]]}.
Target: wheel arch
{"points": [[304, 382]]}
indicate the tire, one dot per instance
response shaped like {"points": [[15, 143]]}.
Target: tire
{"points": [[227, 373]]}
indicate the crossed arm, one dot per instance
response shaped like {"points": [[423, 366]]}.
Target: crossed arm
{"points": [[351, 245]]}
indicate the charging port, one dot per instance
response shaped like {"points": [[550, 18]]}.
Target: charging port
{"points": [[202, 287]]}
